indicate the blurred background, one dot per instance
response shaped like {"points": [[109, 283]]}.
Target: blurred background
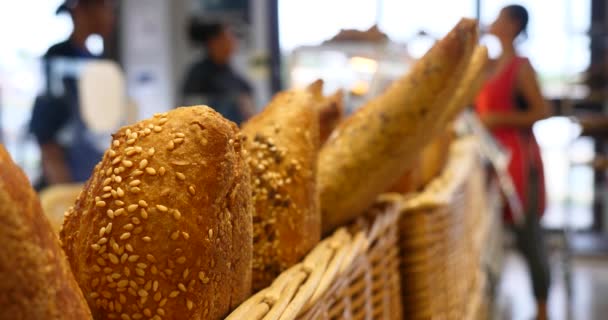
{"points": [[359, 46]]}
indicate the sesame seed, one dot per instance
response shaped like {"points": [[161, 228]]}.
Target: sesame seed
{"points": [[142, 203], [139, 149], [175, 235], [112, 153], [178, 140], [201, 275], [116, 160], [134, 135], [140, 272], [171, 145], [180, 176], [125, 236], [102, 241], [102, 250], [160, 311], [122, 283], [116, 276], [147, 131], [107, 188], [147, 313], [161, 171], [189, 304], [150, 258], [100, 203], [107, 181], [206, 280], [162, 208], [119, 203], [135, 190], [144, 214], [174, 294], [185, 274], [132, 207], [181, 260], [134, 183], [129, 247], [151, 151], [151, 171], [113, 258], [186, 235], [94, 295], [162, 120], [157, 129], [191, 190], [120, 192], [157, 296], [118, 212], [176, 214], [130, 152], [138, 230], [137, 173], [116, 143], [210, 233], [128, 132], [131, 141], [123, 259], [135, 220], [100, 262], [180, 135], [181, 287], [102, 231], [125, 316], [143, 163], [127, 163], [128, 227], [146, 239], [95, 247], [109, 228], [142, 265], [154, 270], [113, 193], [96, 268], [142, 293], [118, 179], [133, 258]]}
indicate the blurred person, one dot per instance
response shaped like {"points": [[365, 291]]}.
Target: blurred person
{"points": [[212, 80], [509, 103], [67, 147]]}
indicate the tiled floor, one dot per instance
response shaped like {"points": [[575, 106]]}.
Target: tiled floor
{"points": [[589, 299]]}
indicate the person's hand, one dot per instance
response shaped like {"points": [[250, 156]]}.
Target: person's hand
{"points": [[490, 120]]}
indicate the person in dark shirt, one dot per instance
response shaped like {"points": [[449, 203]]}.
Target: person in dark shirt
{"points": [[212, 80], [68, 154]]}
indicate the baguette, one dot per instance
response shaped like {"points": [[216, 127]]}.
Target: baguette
{"points": [[370, 151], [35, 278], [283, 143], [163, 226]]}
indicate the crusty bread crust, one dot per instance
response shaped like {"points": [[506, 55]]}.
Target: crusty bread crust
{"points": [[371, 150], [35, 277], [163, 227], [282, 144]]}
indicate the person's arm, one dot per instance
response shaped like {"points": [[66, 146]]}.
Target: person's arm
{"points": [[54, 164], [538, 108], [246, 106]]}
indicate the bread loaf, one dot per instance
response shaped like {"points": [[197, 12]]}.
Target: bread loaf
{"points": [[282, 144], [163, 227], [35, 277], [331, 109], [370, 150]]}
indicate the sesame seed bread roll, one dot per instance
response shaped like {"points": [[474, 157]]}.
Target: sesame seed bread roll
{"points": [[35, 278], [369, 151], [163, 227], [282, 145]]}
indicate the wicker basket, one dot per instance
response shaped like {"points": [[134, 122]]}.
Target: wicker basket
{"points": [[441, 231], [352, 274]]}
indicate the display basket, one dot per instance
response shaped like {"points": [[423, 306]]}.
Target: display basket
{"points": [[352, 274]]}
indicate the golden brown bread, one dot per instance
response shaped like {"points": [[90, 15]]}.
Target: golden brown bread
{"points": [[282, 145], [331, 109], [370, 150], [35, 277], [163, 227]]}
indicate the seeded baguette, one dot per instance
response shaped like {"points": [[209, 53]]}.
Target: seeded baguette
{"points": [[282, 144], [163, 227], [370, 150], [35, 277]]}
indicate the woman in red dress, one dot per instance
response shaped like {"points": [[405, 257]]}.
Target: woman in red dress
{"points": [[509, 103]]}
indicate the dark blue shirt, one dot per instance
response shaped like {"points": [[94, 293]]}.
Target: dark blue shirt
{"points": [[218, 86], [57, 118]]}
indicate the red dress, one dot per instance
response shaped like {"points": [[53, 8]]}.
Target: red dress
{"points": [[498, 96]]}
